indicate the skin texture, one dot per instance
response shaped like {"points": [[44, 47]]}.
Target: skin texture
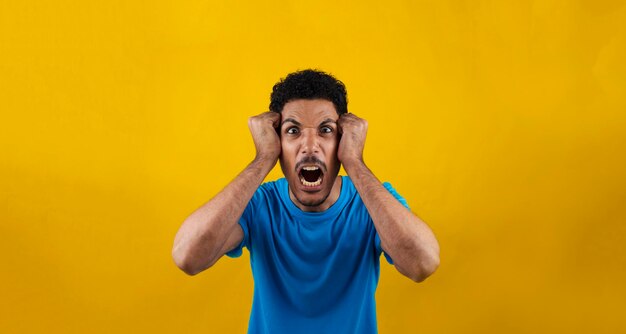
{"points": [[307, 132]]}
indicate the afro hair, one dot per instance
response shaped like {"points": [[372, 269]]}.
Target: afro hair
{"points": [[309, 84]]}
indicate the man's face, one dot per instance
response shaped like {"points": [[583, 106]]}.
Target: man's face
{"points": [[309, 139]]}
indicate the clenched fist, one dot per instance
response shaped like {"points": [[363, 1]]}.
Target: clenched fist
{"points": [[263, 128], [353, 131]]}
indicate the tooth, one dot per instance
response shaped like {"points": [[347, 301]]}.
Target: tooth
{"points": [[311, 184]]}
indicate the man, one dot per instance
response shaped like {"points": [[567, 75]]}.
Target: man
{"points": [[315, 238]]}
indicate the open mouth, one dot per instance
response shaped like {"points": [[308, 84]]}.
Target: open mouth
{"points": [[311, 176]]}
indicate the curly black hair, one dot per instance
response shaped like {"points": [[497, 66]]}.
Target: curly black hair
{"points": [[309, 84]]}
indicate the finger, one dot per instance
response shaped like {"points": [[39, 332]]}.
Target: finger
{"points": [[340, 122], [344, 118], [275, 118]]}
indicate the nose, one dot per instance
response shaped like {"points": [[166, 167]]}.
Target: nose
{"points": [[310, 142]]}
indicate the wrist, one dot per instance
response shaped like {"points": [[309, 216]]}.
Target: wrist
{"points": [[352, 164], [264, 162]]}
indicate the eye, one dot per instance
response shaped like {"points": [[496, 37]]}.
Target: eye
{"points": [[326, 129], [293, 130]]}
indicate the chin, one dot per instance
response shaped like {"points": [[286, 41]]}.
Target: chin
{"points": [[311, 201], [307, 195]]}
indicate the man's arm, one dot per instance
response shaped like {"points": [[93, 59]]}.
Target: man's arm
{"points": [[213, 229], [406, 238]]}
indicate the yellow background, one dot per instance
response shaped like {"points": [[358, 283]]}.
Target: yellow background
{"points": [[503, 123]]}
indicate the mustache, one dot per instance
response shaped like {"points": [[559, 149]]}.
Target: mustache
{"points": [[311, 159]]}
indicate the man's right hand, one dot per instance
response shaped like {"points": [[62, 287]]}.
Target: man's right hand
{"points": [[213, 230], [263, 128]]}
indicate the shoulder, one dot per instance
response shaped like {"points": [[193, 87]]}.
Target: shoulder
{"points": [[348, 185], [266, 195], [386, 185], [271, 189]]}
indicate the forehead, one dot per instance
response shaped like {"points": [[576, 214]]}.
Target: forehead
{"points": [[310, 112]]}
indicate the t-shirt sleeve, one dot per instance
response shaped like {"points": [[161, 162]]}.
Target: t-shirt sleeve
{"points": [[402, 201], [245, 221]]}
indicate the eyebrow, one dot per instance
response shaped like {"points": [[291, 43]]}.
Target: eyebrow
{"points": [[291, 120], [328, 120]]}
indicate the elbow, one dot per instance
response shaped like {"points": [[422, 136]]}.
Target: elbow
{"points": [[182, 263], [186, 268], [191, 272], [185, 262], [194, 255], [427, 263], [424, 269]]}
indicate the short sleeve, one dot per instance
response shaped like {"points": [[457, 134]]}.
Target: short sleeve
{"points": [[402, 201], [245, 220]]}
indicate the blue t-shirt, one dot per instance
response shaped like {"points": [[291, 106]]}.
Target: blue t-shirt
{"points": [[314, 272]]}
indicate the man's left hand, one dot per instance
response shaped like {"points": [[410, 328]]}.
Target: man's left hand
{"points": [[353, 132]]}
